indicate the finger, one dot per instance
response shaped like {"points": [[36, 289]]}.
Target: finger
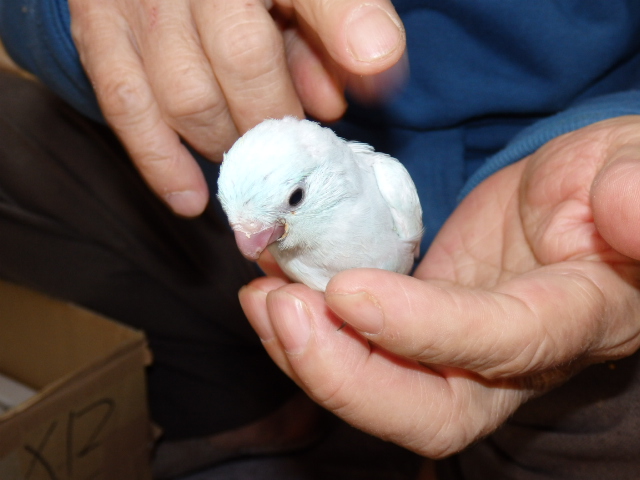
{"points": [[317, 85], [253, 298], [372, 89], [270, 267], [182, 79], [432, 413], [529, 324], [615, 200], [364, 38], [103, 40], [246, 49]]}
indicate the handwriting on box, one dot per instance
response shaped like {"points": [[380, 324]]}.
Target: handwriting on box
{"points": [[99, 437], [67, 447]]}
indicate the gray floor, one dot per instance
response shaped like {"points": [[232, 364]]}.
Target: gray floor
{"points": [[343, 454]]}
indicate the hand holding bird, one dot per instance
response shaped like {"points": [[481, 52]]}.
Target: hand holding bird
{"points": [[532, 278]]}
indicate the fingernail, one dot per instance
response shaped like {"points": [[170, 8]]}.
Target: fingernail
{"points": [[291, 321], [372, 33], [361, 310], [253, 303], [187, 202]]}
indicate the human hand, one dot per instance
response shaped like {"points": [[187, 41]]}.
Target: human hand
{"points": [[532, 278], [205, 71]]}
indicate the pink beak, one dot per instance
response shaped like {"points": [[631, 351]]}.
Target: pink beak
{"points": [[252, 244]]}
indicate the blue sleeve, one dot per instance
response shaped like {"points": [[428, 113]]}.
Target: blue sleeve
{"points": [[535, 136], [36, 34]]}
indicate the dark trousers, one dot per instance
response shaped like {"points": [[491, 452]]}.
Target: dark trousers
{"points": [[77, 222]]}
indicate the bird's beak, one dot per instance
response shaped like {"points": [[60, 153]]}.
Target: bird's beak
{"points": [[253, 241]]}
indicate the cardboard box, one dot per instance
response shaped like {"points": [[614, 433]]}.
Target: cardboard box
{"points": [[89, 418]]}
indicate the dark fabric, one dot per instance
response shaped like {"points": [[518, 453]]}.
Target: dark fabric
{"points": [[77, 222], [587, 429]]}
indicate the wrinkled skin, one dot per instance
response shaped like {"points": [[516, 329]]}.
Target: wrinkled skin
{"points": [[205, 71], [532, 278]]}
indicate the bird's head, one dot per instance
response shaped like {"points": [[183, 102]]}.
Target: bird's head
{"points": [[279, 180]]}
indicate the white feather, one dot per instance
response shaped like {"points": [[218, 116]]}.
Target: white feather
{"points": [[360, 208]]}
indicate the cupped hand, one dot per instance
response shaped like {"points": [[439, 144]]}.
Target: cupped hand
{"points": [[205, 71], [533, 277]]}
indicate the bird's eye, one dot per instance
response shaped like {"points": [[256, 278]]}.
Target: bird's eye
{"points": [[296, 197]]}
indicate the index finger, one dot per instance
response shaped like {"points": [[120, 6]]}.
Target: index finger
{"points": [[128, 104]]}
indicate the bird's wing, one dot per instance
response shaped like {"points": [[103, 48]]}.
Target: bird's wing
{"points": [[397, 190]]}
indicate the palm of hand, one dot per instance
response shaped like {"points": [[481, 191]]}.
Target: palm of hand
{"points": [[518, 291]]}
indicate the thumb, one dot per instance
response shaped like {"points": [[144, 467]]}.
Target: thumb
{"points": [[615, 201], [364, 38], [512, 330]]}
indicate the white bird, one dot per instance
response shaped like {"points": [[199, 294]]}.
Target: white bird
{"points": [[319, 203]]}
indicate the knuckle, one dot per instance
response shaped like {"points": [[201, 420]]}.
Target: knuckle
{"points": [[249, 43], [190, 97], [124, 94], [527, 357]]}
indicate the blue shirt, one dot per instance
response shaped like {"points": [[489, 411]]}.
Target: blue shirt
{"points": [[490, 82]]}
